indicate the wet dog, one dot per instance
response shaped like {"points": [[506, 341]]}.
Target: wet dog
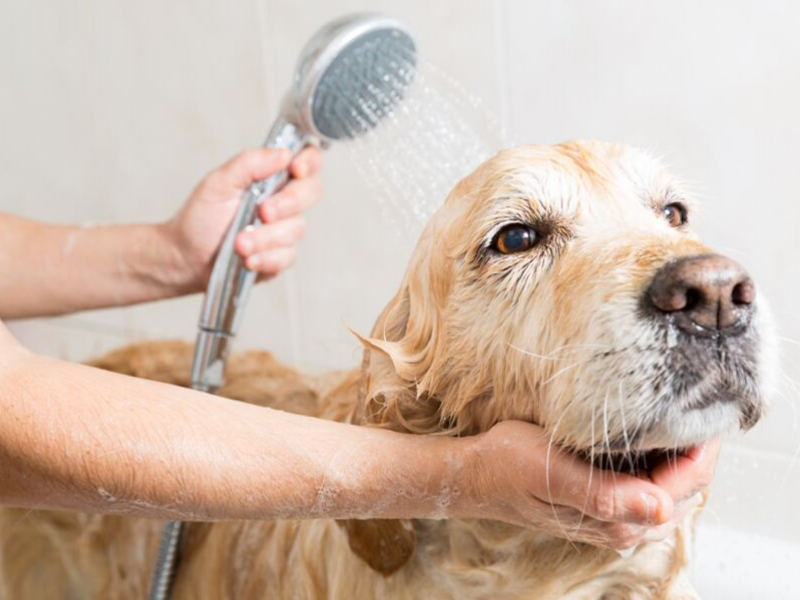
{"points": [[560, 285]]}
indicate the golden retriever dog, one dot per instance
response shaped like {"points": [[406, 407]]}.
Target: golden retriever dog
{"points": [[560, 285]]}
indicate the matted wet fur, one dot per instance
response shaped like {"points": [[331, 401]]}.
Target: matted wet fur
{"points": [[554, 336]]}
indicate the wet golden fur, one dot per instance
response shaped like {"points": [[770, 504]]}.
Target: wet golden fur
{"points": [[470, 339]]}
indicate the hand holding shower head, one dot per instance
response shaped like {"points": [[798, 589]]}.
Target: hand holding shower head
{"points": [[349, 76]]}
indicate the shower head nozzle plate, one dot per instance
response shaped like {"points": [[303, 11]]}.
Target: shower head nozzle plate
{"points": [[352, 74]]}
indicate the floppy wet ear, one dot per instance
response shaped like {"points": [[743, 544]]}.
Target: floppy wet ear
{"points": [[386, 545], [397, 358], [400, 371]]}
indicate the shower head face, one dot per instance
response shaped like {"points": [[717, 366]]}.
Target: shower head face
{"points": [[352, 74]]}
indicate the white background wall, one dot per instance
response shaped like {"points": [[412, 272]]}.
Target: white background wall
{"points": [[111, 112]]}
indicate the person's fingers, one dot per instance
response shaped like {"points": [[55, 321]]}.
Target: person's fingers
{"points": [[298, 196], [571, 524], [250, 166], [605, 495], [684, 476], [267, 237], [271, 262], [662, 532], [307, 163]]}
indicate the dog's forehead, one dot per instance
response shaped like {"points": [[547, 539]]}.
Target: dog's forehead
{"points": [[572, 176]]}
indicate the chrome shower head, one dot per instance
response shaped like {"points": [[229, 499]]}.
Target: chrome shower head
{"points": [[350, 75]]}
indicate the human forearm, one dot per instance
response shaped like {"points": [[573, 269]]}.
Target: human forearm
{"points": [[79, 438], [50, 269]]}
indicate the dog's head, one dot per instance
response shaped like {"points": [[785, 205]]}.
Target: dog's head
{"points": [[563, 285]]}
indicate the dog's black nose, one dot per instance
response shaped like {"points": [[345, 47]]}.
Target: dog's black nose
{"points": [[704, 294]]}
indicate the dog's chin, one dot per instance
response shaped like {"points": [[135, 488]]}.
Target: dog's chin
{"points": [[674, 435], [691, 427], [712, 393]]}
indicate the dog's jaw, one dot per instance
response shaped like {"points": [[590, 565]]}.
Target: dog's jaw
{"points": [[666, 392]]}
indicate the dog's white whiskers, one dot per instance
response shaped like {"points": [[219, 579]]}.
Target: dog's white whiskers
{"points": [[789, 340], [790, 400], [628, 452], [548, 484], [591, 475], [566, 369], [606, 438], [531, 354], [556, 353]]}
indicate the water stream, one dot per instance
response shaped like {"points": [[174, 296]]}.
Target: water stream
{"points": [[422, 144]]}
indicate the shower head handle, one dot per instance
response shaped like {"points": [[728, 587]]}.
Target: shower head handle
{"points": [[230, 281], [348, 77]]}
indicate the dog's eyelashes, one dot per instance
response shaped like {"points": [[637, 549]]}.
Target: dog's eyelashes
{"points": [[515, 238], [676, 214]]}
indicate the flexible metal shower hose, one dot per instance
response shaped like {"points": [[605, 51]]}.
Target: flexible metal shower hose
{"points": [[164, 570]]}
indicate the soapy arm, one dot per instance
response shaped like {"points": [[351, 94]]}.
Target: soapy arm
{"points": [[77, 438]]}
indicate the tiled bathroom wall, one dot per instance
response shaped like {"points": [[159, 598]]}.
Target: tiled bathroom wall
{"points": [[114, 112], [111, 112]]}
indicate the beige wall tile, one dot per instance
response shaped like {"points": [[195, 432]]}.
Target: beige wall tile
{"points": [[111, 112]]}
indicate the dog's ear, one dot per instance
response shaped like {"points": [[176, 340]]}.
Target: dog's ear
{"points": [[385, 545], [395, 394], [403, 363]]}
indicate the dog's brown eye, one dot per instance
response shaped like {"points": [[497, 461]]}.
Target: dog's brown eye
{"points": [[515, 238], [675, 214]]}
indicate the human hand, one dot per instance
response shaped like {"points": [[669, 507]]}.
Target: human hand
{"points": [[515, 475], [200, 226]]}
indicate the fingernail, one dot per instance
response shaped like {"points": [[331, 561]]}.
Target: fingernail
{"points": [[253, 262], [272, 212], [651, 509]]}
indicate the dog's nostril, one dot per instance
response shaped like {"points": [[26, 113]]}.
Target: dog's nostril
{"points": [[675, 298], [744, 293], [693, 298], [703, 294]]}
